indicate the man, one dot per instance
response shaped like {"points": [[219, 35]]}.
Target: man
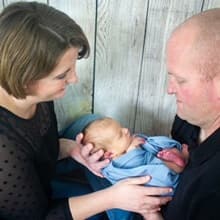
{"points": [[193, 63]]}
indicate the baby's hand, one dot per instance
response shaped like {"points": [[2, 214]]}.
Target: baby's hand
{"points": [[136, 141]]}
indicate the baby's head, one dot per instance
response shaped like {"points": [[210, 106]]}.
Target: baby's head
{"points": [[109, 135]]}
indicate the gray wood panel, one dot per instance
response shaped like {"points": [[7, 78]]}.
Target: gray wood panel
{"points": [[6, 2], [208, 4], [1, 4], [119, 47]]}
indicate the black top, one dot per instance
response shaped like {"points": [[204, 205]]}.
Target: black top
{"points": [[197, 196], [28, 153]]}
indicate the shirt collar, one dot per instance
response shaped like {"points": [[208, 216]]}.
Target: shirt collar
{"points": [[206, 149]]}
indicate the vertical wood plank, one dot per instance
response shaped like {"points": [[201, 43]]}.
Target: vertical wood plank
{"points": [[208, 4], [78, 98], [155, 109], [120, 35], [6, 2], [1, 4]]}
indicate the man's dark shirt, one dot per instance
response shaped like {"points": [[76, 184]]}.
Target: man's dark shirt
{"points": [[197, 196]]}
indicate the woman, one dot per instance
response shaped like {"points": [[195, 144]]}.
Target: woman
{"points": [[39, 46]]}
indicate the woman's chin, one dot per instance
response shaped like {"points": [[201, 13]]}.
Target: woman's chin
{"points": [[60, 94]]}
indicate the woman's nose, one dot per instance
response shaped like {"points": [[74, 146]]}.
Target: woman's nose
{"points": [[72, 78]]}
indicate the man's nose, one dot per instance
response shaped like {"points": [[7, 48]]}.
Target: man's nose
{"points": [[171, 89]]}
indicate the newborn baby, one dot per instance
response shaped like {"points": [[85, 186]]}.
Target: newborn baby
{"points": [[107, 134]]}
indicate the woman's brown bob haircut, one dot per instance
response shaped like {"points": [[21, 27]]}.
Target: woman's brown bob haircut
{"points": [[33, 37]]}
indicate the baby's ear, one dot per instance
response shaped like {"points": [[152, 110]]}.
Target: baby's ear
{"points": [[108, 155]]}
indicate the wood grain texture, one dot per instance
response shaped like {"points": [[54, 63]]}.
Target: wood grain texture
{"points": [[6, 2], [208, 4], [120, 36], [1, 5]]}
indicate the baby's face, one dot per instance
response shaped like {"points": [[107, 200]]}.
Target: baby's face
{"points": [[120, 138]]}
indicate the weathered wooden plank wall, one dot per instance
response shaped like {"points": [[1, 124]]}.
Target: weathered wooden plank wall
{"points": [[125, 75]]}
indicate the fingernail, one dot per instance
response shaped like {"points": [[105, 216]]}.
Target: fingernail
{"points": [[148, 178]]}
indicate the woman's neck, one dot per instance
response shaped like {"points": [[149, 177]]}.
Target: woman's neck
{"points": [[24, 108]]}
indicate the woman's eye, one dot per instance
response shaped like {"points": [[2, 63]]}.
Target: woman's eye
{"points": [[61, 76]]}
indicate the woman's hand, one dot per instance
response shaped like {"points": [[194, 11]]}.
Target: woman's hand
{"points": [[66, 147], [82, 154], [132, 195]]}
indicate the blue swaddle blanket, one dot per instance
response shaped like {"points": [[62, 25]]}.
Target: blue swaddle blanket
{"points": [[142, 161]]}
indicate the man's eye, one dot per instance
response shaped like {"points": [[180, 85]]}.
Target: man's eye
{"points": [[181, 81]]}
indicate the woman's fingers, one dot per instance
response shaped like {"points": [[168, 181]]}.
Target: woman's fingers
{"points": [[79, 138], [158, 201], [157, 191], [93, 161], [86, 150], [138, 180], [150, 191], [130, 195]]}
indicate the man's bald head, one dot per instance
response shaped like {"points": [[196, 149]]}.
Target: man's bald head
{"points": [[199, 39]]}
